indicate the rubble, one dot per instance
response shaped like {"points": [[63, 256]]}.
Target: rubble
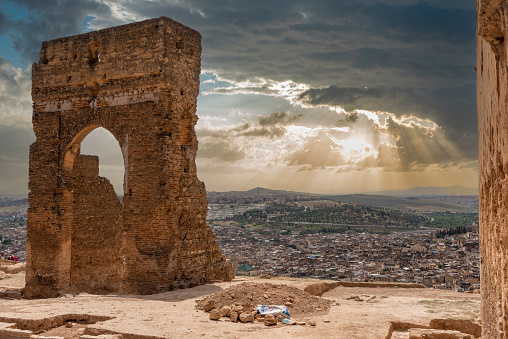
{"points": [[270, 320], [363, 297], [246, 317], [237, 302], [215, 314], [225, 311], [242, 297]]}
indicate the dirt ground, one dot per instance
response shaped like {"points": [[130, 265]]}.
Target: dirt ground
{"points": [[174, 314]]}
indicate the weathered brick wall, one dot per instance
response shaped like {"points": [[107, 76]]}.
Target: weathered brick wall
{"points": [[97, 230], [140, 82], [492, 96]]}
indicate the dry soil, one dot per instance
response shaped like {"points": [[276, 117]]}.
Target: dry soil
{"points": [[174, 314]]}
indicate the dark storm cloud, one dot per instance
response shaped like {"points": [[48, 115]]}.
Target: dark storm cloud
{"points": [[248, 130], [223, 144], [282, 118], [323, 43], [47, 20], [402, 56], [453, 109], [352, 118], [3, 23], [421, 21], [270, 126]]}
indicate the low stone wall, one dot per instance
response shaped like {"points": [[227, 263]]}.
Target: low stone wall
{"points": [[319, 289], [10, 267]]}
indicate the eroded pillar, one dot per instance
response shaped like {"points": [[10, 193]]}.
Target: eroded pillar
{"points": [[492, 96], [140, 82]]}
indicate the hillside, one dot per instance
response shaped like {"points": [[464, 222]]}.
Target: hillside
{"points": [[261, 191], [403, 204], [413, 204], [429, 191]]}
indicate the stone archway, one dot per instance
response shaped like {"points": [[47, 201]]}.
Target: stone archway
{"points": [[140, 82], [96, 228]]}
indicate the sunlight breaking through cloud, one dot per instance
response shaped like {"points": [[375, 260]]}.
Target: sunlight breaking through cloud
{"points": [[352, 141]]}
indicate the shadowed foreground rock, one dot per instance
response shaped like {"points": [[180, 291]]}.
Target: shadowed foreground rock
{"points": [[140, 82]]}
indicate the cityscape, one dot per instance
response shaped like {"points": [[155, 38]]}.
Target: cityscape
{"points": [[449, 263], [269, 247]]}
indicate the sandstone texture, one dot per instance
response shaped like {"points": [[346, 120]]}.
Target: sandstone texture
{"points": [[246, 317], [270, 320], [492, 97], [140, 82], [215, 314]]}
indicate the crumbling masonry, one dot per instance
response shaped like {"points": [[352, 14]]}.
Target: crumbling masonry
{"points": [[492, 96], [140, 82]]}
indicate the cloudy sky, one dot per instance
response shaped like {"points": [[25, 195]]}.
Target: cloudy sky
{"points": [[325, 96]]}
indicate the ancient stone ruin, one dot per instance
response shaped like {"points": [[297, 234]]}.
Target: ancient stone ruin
{"points": [[492, 96], [140, 82]]}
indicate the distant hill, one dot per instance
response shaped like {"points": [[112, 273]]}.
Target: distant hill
{"points": [[403, 204], [430, 191], [415, 204], [266, 191]]}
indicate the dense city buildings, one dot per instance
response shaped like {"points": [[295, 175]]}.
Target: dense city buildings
{"points": [[450, 263], [13, 227], [304, 238], [434, 257]]}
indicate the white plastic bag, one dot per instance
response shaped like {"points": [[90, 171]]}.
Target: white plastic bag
{"points": [[273, 309]]}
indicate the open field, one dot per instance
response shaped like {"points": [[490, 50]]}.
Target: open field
{"points": [[403, 204], [320, 203], [13, 208]]}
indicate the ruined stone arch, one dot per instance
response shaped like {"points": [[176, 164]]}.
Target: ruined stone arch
{"points": [[96, 263], [140, 82], [75, 145]]}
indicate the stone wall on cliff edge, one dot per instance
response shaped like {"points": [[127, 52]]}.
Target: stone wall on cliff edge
{"points": [[492, 97], [140, 82]]}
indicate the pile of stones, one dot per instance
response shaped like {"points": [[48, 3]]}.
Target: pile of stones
{"points": [[245, 313], [237, 304]]}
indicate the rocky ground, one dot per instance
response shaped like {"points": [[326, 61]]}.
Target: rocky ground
{"points": [[342, 312]]}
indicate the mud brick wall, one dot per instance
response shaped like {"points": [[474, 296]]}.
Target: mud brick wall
{"points": [[97, 230], [140, 82], [492, 96]]}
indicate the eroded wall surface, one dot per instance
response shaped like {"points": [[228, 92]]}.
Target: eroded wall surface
{"points": [[492, 96], [140, 82], [97, 230]]}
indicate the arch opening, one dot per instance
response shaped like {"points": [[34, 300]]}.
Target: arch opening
{"points": [[95, 218], [102, 143]]}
